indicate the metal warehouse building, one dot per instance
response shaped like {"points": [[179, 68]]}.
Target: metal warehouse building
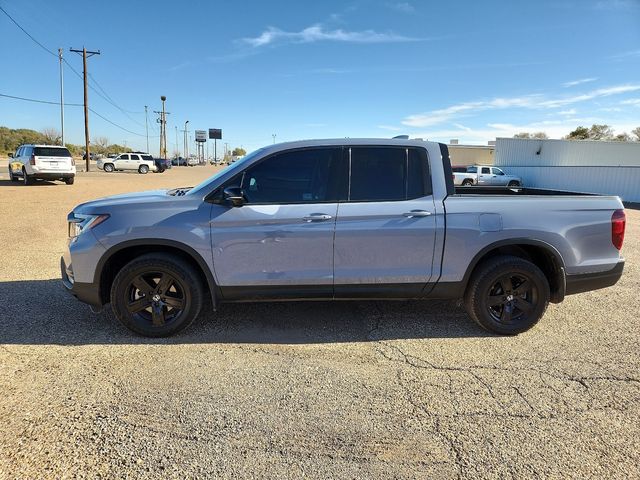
{"points": [[611, 168]]}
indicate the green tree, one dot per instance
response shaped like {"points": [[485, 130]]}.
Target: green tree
{"points": [[238, 152], [622, 137], [580, 133], [600, 132]]}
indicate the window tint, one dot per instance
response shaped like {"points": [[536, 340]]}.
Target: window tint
{"points": [[459, 169], [147, 157], [485, 169], [378, 173], [472, 170], [497, 171], [388, 174], [51, 152], [300, 176], [135, 157], [124, 157]]}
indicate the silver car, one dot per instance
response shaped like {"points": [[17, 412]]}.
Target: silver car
{"points": [[340, 219]]}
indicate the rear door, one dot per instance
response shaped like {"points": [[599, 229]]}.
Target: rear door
{"points": [[280, 242], [485, 177], [135, 162], [385, 232]]}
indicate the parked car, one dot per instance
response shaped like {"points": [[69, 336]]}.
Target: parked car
{"points": [[179, 161], [483, 175], [192, 161], [92, 156], [162, 164], [45, 162], [341, 219], [140, 162]]}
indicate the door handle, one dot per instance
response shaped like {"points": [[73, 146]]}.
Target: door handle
{"points": [[416, 213], [317, 217]]}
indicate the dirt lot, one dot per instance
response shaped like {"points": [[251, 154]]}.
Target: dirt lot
{"points": [[344, 390]]}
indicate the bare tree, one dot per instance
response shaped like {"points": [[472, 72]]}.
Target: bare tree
{"points": [[101, 143], [636, 133], [51, 135]]}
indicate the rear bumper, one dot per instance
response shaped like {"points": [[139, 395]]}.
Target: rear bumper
{"points": [[586, 282], [52, 176], [85, 292]]}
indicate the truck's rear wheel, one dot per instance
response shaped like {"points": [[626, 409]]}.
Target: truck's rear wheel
{"points": [[467, 183], [157, 295], [143, 169], [507, 295]]}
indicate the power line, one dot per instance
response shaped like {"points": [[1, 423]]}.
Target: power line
{"points": [[39, 101], [28, 34], [76, 105], [105, 97]]}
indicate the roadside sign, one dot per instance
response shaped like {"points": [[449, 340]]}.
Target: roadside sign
{"points": [[201, 136], [215, 133]]}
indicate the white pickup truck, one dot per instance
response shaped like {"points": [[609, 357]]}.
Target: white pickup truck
{"points": [[484, 176]]}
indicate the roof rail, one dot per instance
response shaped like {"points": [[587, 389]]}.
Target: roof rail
{"points": [[401, 137]]}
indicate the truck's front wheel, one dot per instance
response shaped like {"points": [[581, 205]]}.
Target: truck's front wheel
{"points": [[507, 295], [156, 295]]}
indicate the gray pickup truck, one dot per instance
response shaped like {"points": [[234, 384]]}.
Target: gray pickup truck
{"points": [[341, 219]]}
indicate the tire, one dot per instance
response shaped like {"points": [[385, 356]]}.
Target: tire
{"points": [[513, 183], [108, 167], [143, 169], [12, 177], [507, 295], [69, 180], [467, 182], [154, 312], [26, 180]]}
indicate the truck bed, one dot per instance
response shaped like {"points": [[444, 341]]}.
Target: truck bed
{"points": [[519, 191]]}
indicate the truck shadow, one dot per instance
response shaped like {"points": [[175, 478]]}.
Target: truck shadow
{"points": [[41, 312]]}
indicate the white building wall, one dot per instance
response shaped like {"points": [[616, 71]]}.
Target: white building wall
{"points": [[610, 168]]}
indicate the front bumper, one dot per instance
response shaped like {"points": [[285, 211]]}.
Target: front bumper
{"points": [[85, 292], [586, 282]]}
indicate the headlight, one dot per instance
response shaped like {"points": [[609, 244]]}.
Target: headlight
{"points": [[78, 223]]}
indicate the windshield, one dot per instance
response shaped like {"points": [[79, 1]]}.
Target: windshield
{"points": [[204, 186]]}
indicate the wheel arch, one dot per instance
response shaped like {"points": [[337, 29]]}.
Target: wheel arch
{"points": [[119, 255], [542, 254]]}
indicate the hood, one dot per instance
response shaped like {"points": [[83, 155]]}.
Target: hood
{"points": [[149, 196]]}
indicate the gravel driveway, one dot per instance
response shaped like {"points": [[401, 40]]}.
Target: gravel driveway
{"points": [[322, 390]]}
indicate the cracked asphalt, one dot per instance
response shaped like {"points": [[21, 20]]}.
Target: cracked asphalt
{"points": [[290, 390]]}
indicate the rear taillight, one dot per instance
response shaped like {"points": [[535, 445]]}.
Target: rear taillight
{"points": [[618, 223], [32, 160]]}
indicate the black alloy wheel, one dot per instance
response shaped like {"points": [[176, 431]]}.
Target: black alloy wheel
{"points": [[507, 294], [157, 295]]}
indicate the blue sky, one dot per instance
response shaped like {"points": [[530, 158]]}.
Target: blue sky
{"points": [[439, 70]]}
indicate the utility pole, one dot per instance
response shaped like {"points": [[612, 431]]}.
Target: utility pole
{"points": [[85, 52], [163, 129], [146, 125], [186, 146], [61, 97], [177, 146]]}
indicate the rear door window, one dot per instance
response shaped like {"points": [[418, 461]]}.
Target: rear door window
{"points": [[485, 170], [382, 174], [135, 158]]}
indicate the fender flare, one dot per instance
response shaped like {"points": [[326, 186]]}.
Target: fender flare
{"points": [[160, 242]]}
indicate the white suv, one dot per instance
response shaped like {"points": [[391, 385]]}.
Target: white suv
{"points": [[142, 162], [46, 162]]}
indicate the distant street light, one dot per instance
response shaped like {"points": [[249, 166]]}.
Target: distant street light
{"points": [[274, 137], [186, 146]]}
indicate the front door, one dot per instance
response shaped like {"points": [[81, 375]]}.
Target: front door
{"points": [[280, 242], [385, 232]]}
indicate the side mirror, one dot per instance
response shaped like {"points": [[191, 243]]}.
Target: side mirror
{"points": [[234, 196]]}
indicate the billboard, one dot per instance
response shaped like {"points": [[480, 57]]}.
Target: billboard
{"points": [[215, 133], [201, 136]]}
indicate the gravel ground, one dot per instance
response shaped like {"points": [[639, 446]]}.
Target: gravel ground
{"points": [[322, 390]]}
